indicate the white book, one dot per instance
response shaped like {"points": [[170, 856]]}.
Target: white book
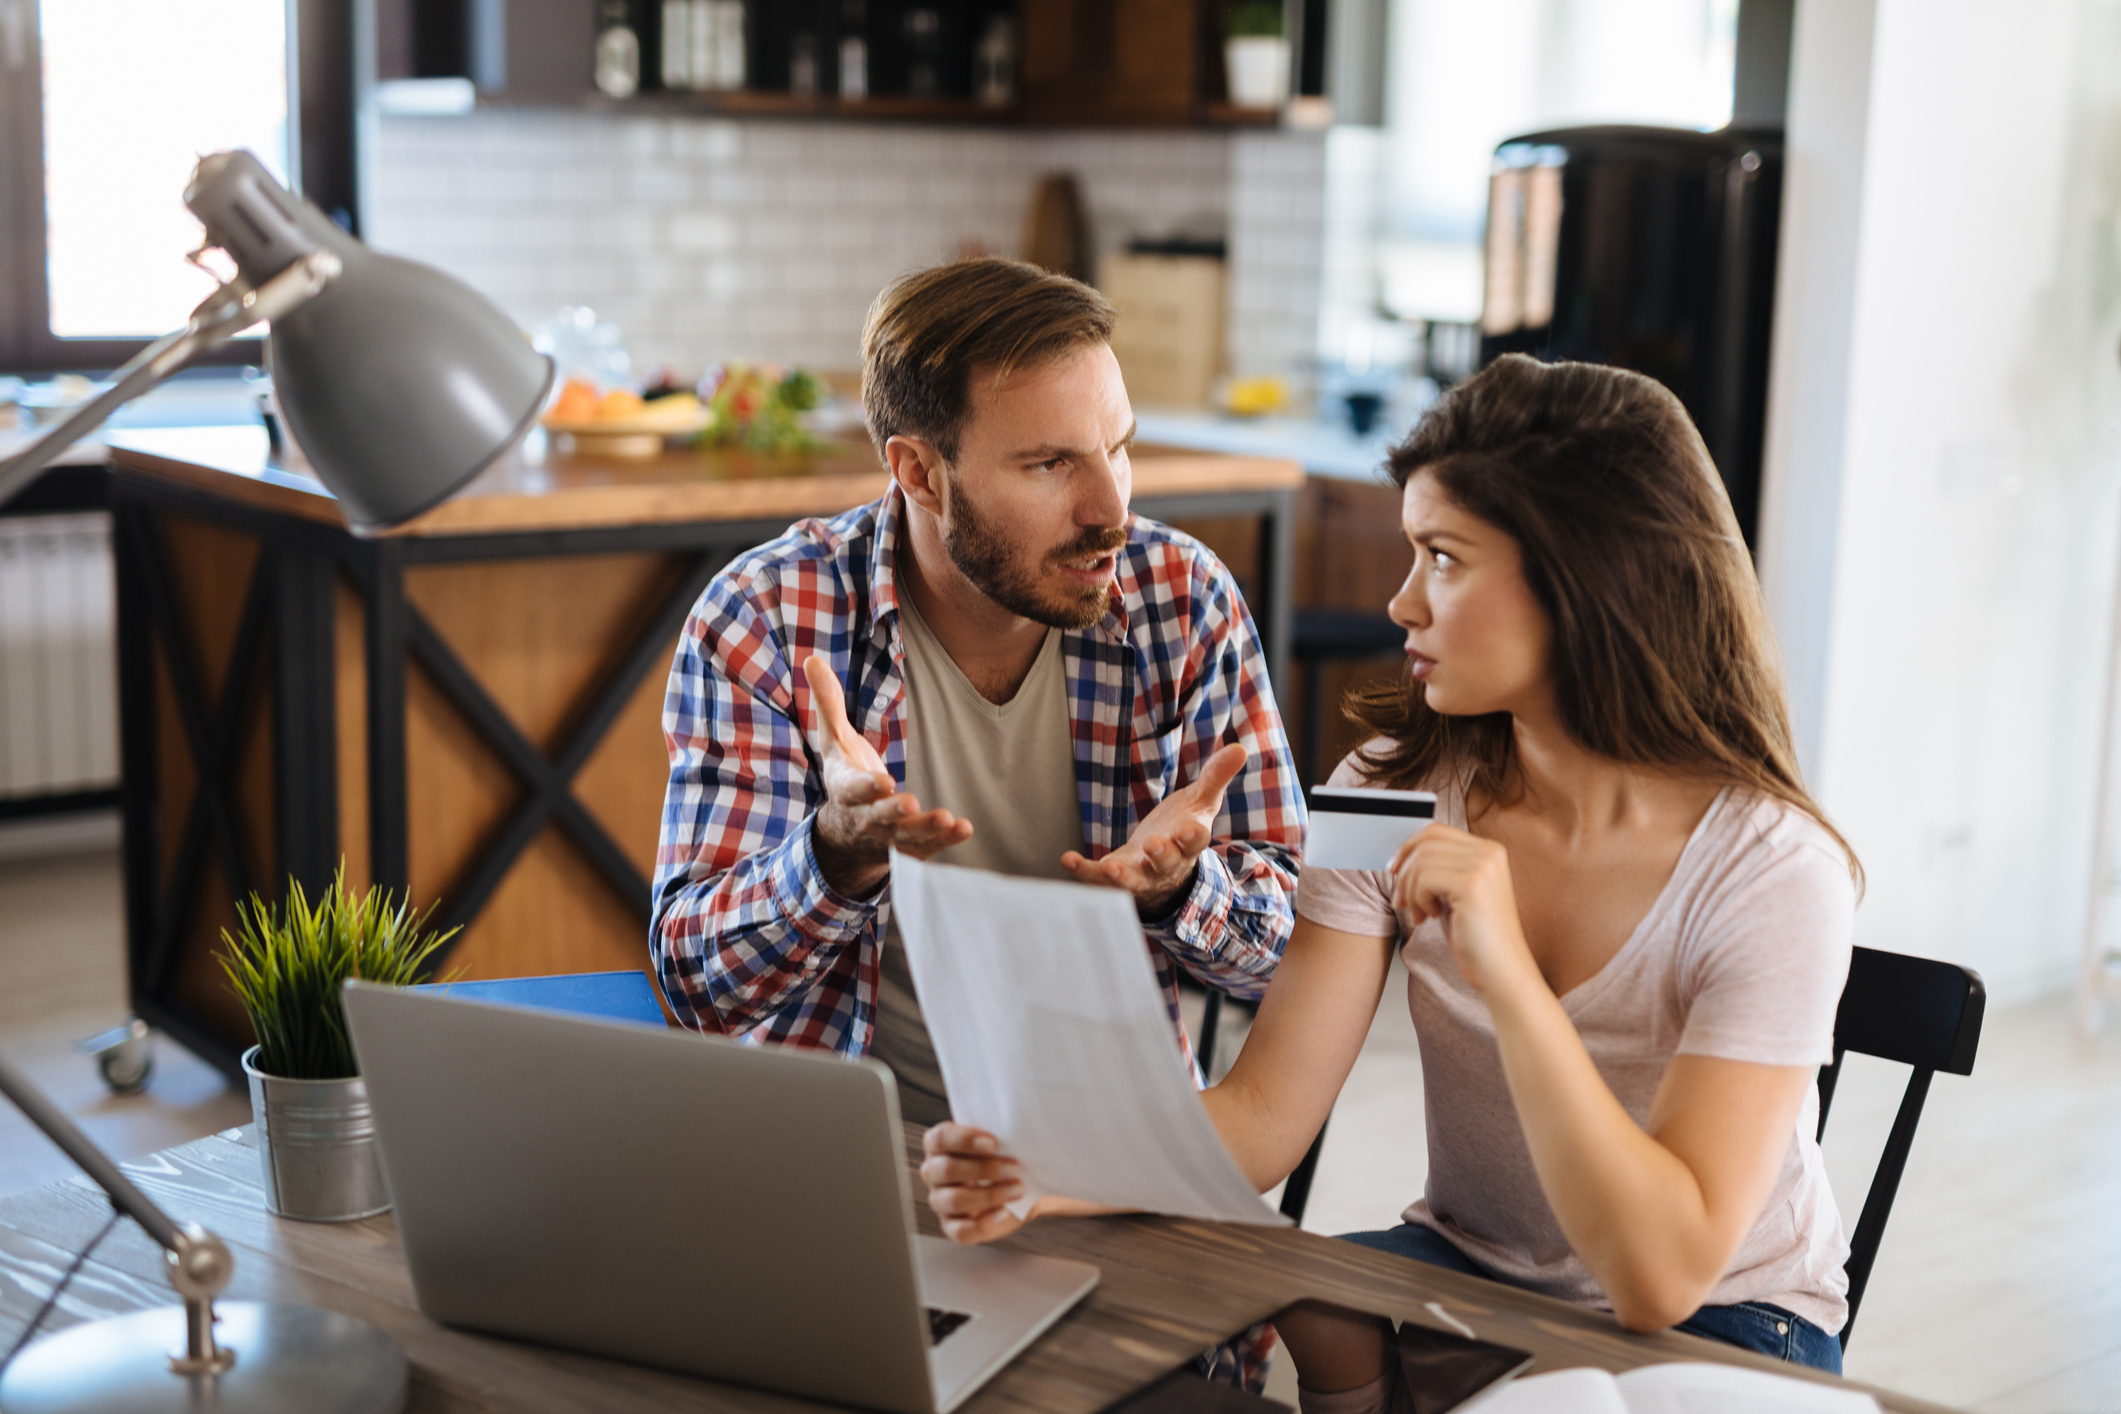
{"points": [[1683, 1388]]}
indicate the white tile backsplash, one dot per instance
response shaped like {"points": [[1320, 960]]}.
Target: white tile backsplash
{"points": [[710, 239]]}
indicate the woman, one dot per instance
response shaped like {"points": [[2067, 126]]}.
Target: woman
{"points": [[1625, 934]]}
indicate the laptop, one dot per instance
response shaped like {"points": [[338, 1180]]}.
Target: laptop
{"points": [[739, 1212]]}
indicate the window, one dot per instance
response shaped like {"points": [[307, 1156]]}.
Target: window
{"points": [[1462, 77], [135, 91], [105, 106]]}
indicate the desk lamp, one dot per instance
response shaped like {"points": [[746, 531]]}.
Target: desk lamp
{"points": [[399, 382], [267, 1357]]}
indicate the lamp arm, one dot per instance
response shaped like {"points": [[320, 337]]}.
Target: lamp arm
{"points": [[127, 1198], [226, 312]]}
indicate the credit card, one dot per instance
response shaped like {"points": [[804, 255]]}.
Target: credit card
{"points": [[1358, 827]]}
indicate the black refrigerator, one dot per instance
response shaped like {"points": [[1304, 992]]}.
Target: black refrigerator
{"points": [[1651, 249]]}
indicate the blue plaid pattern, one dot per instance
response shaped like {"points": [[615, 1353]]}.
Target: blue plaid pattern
{"points": [[749, 941]]}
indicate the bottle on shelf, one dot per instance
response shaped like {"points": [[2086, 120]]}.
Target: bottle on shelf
{"points": [[730, 59], [854, 52], [802, 66], [994, 64], [676, 67], [924, 51], [618, 52], [703, 33]]}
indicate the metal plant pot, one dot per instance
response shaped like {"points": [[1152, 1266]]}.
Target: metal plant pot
{"points": [[317, 1143]]}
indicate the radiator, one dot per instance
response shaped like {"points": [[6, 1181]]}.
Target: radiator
{"points": [[58, 663]]}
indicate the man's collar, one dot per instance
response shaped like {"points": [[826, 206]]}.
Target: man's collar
{"points": [[883, 558], [883, 569]]}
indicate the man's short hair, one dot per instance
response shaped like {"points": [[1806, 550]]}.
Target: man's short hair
{"points": [[928, 332]]}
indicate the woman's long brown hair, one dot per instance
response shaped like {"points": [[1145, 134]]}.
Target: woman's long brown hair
{"points": [[1663, 656]]}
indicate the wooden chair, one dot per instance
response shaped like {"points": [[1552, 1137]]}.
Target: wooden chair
{"points": [[1923, 1014]]}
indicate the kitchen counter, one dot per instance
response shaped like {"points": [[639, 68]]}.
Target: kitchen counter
{"points": [[466, 710]]}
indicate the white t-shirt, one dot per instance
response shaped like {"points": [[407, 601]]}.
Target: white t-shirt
{"points": [[1007, 767], [1742, 957]]}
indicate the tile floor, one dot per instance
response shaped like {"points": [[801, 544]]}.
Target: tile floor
{"points": [[1998, 1288], [62, 977]]}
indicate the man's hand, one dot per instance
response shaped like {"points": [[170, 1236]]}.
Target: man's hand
{"points": [[1156, 863], [865, 815], [969, 1181]]}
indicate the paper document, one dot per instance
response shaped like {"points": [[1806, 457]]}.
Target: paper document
{"points": [[1052, 1034], [1684, 1388]]}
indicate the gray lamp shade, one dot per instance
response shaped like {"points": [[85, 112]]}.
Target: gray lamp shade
{"points": [[399, 382]]}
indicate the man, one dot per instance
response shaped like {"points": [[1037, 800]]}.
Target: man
{"points": [[994, 663]]}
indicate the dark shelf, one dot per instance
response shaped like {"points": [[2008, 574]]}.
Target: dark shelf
{"points": [[1229, 115], [767, 104]]}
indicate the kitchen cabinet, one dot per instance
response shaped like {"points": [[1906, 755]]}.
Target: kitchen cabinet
{"points": [[1135, 62], [1079, 63], [516, 51]]}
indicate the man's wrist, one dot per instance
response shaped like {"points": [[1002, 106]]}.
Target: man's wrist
{"points": [[1165, 907], [843, 870]]}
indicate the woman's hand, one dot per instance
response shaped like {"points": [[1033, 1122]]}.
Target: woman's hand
{"points": [[1464, 881], [969, 1180]]}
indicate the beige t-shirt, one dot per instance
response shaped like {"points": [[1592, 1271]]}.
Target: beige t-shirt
{"points": [[1741, 957], [1010, 770]]}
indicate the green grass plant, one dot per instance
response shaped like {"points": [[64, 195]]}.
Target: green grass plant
{"points": [[287, 964], [1253, 19]]}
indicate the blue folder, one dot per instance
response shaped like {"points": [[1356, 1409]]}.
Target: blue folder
{"points": [[615, 996]]}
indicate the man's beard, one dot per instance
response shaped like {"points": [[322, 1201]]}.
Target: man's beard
{"points": [[989, 559]]}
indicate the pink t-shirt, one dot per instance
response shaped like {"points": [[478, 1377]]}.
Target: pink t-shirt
{"points": [[1741, 957]]}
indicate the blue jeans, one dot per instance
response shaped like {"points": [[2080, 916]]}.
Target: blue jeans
{"points": [[1750, 1325]]}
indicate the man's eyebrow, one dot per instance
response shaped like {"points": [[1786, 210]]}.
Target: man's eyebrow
{"points": [[1049, 450]]}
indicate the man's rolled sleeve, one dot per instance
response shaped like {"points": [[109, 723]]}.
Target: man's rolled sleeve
{"points": [[1236, 918], [746, 929], [813, 907]]}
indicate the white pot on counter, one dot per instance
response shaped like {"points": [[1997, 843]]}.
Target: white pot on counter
{"points": [[1257, 71]]}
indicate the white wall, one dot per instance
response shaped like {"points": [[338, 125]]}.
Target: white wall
{"points": [[706, 240], [1941, 567]]}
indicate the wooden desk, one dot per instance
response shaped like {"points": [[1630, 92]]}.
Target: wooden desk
{"points": [[1171, 1288], [468, 708]]}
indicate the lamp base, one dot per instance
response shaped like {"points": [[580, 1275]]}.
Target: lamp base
{"points": [[287, 1357]]}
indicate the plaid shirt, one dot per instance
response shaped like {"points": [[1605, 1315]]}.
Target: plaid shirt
{"points": [[749, 940]]}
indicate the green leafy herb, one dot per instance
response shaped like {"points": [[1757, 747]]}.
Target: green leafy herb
{"points": [[1253, 19], [286, 966], [758, 407]]}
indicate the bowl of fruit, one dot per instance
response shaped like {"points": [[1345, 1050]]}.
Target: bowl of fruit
{"points": [[619, 422]]}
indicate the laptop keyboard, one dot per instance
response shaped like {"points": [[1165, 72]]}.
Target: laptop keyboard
{"points": [[941, 1323]]}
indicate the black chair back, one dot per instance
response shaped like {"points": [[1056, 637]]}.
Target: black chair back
{"points": [[1296, 1190], [1926, 1015]]}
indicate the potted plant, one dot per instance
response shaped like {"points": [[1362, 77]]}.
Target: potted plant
{"points": [[1255, 55], [315, 1136]]}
